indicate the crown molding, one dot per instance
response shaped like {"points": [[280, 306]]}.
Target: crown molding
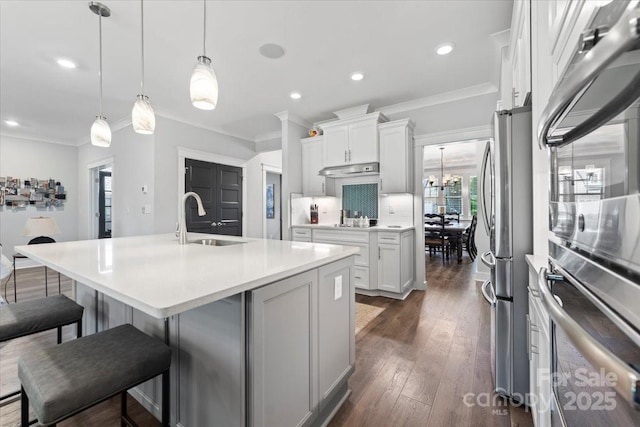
{"points": [[35, 139], [466, 134], [441, 98], [267, 136], [287, 116]]}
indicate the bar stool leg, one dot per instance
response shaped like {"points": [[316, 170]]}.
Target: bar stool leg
{"points": [[24, 408], [15, 292], [59, 334], [165, 399], [123, 409], [79, 329], [59, 289]]}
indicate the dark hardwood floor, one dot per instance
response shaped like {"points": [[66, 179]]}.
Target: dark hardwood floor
{"points": [[415, 362]]}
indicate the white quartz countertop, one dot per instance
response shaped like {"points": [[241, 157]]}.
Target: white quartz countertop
{"points": [[400, 228], [157, 276], [536, 262]]}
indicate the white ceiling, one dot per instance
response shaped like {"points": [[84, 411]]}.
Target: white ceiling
{"points": [[460, 155], [392, 42]]}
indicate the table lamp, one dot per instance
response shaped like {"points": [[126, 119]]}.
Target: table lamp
{"points": [[40, 228]]}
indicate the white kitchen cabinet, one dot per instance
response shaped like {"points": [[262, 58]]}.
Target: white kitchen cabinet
{"points": [[539, 350], [365, 240], [520, 51], [395, 261], [303, 346], [312, 162], [336, 344], [284, 324], [352, 141], [300, 234], [396, 160]]}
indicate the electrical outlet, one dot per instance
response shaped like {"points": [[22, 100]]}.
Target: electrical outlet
{"points": [[324, 209], [337, 287], [391, 210]]}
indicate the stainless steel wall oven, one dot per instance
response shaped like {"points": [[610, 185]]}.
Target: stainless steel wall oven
{"points": [[591, 290]]}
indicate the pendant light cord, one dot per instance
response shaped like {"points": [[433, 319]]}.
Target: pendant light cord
{"points": [[142, 43], [204, 38], [100, 38]]}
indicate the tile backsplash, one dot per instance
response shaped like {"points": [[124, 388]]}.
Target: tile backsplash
{"points": [[362, 198]]}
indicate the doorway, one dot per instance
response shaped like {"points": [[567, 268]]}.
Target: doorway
{"points": [[104, 204], [273, 206], [101, 220], [220, 188]]}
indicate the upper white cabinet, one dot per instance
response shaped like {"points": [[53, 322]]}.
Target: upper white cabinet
{"points": [[396, 165], [520, 52], [351, 141], [312, 162]]}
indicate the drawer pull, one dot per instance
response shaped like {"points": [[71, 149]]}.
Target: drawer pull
{"points": [[358, 277]]}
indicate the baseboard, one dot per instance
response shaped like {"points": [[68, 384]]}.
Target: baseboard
{"points": [[481, 277], [379, 293]]}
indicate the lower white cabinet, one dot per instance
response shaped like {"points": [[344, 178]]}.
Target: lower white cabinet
{"points": [[385, 264], [539, 343], [395, 266], [284, 324], [302, 346]]}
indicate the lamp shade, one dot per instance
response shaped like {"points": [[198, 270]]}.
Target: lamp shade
{"points": [[40, 226], [204, 85], [142, 116], [100, 133]]}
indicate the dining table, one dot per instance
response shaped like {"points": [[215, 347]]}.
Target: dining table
{"points": [[454, 229]]}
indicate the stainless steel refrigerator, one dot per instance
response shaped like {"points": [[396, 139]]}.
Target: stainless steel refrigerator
{"points": [[506, 205]]}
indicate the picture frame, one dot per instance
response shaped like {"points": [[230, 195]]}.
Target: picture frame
{"points": [[270, 201]]}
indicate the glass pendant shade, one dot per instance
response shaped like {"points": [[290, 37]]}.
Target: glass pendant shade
{"points": [[142, 116], [204, 85], [100, 132]]}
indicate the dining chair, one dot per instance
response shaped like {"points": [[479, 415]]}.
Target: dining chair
{"points": [[437, 239], [468, 238]]}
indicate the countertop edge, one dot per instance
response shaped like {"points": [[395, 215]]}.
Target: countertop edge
{"points": [[536, 262], [368, 229], [164, 312]]}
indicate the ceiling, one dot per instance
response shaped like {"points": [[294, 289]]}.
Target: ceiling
{"points": [[392, 42], [459, 155]]}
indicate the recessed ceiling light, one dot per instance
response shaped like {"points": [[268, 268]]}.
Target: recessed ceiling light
{"points": [[295, 95], [11, 123], [65, 63], [271, 50], [357, 77], [444, 49]]}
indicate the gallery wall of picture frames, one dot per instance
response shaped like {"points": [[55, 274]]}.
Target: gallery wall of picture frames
{"points": [[18, 194]]}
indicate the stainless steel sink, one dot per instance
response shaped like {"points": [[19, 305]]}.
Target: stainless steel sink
{"points": [[215, 242]]}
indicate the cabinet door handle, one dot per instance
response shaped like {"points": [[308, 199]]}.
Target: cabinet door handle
{"points": [[345, 155], [349, 154], [379, 253], [380, 184]]}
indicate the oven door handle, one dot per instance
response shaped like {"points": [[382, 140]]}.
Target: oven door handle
{"points": [[617, 41], [627, 380]]}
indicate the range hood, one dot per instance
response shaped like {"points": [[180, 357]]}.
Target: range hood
{"points": [[351, 170]]}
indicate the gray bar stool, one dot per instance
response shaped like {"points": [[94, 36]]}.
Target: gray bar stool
{"points": [[64, 380], [33, 316]]}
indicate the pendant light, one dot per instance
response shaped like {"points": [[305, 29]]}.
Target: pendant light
{"points": [[204, 84], [142, 115], [100, 130]]}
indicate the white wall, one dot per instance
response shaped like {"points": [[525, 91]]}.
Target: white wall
{"points": [[133, 167], [254, 210], [23, 158], [464, 113]]}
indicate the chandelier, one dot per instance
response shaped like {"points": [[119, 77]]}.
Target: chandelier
{"points": [[446, 180]]}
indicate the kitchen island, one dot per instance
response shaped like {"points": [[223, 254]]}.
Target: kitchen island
{"points": [[262, 331]]}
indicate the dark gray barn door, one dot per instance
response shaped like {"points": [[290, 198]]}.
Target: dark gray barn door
{"points": [[220, 188]]}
